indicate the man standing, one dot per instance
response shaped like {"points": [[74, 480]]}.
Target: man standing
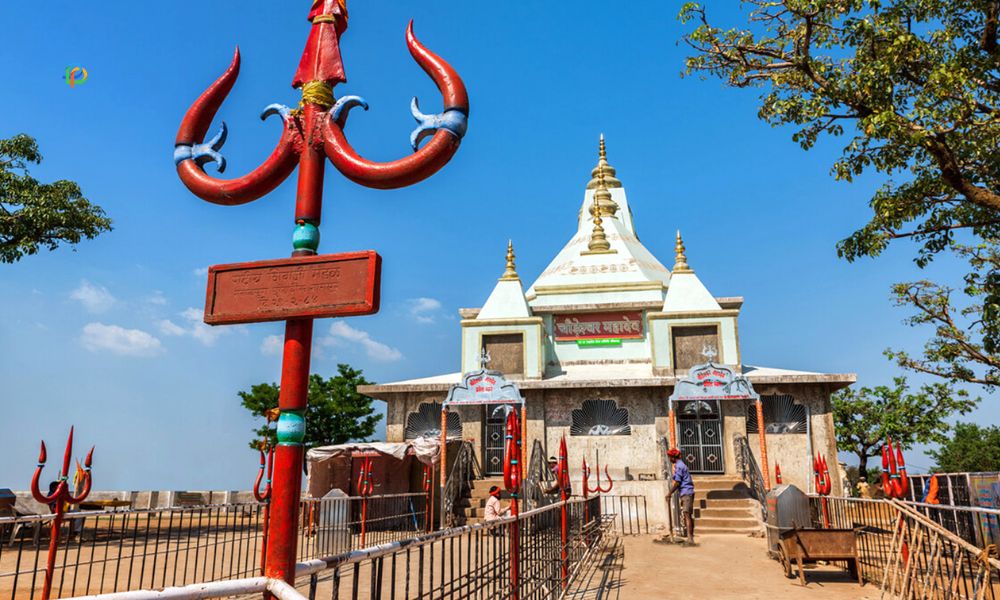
{"points": [[683, 485]]}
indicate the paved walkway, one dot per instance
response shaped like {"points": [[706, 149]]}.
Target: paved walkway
{"points": [[725, 567]]}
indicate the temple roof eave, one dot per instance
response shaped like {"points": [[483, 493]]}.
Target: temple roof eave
{"points": [[756, 375]]}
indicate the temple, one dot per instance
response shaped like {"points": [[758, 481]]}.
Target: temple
{"points": [[598, 344]]}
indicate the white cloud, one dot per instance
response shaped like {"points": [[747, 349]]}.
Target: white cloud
{"points": [[271, 346], [422, 309], [201, 272], [341, 332], [192, 326], [94, 298], [157, 298], [98, 337]]}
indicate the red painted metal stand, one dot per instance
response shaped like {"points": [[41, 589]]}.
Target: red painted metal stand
{"points": [[264, 497], [512, 482], [821, 475], [562, 479], [310, 135], [61, 497], [598, 489], [777, 473], [366, 486], [895, 482]]}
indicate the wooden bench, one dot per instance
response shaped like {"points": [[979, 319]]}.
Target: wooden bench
{"points": [[811, 545]]}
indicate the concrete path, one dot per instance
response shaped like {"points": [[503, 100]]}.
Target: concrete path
{"points": [[725, 567]]}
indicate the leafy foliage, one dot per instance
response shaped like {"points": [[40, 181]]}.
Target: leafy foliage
{"points": [[914, 87], [37, 215], [972, 448], [864, 418], [336, 414]]}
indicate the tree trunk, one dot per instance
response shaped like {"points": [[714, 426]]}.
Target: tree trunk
{"points": [[863, 465]]}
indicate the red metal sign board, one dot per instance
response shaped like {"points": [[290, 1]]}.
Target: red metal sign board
{"points": [[314, 287], [582, 326]]}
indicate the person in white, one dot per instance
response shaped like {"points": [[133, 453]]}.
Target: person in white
{"points": [[494, 509]]}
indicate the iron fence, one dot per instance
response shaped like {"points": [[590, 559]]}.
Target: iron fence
{"points": [[918, 550], [627, 513], [102, 552], [473, 561]]}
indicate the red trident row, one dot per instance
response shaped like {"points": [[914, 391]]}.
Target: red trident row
{"points": [[823, 484], [264, 496], [61, 497], [366, 486], [597, 489], [895, 483], [512, 482]]}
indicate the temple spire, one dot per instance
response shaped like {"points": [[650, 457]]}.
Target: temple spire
{"points": [[680, 262], [511, 271], [610, 181]]}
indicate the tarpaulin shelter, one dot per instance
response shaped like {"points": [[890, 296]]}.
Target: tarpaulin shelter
{"points": [[332, 467]]}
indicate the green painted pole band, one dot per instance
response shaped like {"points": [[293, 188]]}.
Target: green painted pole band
{"points": [[291, 427]]}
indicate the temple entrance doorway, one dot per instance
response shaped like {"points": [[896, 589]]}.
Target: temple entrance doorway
{"points": [[699, 425]]}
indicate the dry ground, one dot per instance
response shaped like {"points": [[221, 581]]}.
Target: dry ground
{"points": [[724, 567]]}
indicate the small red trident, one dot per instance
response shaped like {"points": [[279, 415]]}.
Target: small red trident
{"points": [[264, 496], [366, 486], [777, 473], [597, 489], [824, 485], [429, 496], [562, 480], [512, 483], [61, 498]]}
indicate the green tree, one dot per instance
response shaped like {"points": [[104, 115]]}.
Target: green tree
{"points": [[864, 418], [914, 87], [337, 413], [971, 448], [37, 215]]}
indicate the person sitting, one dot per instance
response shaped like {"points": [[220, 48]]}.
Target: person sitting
{"points": [[494, 508]]}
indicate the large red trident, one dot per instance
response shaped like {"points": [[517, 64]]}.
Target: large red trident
{"points": [[598, 488], [310, 134], [823, 484], [512, 482], [61, 497], [366, 487]]}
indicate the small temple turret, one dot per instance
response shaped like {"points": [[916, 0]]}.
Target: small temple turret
{"points": [[686, 292], [603, 206], [507, 300]]}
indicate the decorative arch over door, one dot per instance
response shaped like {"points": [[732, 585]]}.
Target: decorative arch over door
{"points": [[426, 422], [600, 417]]}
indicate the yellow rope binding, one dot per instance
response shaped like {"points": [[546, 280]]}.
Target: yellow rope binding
{"points": [[318, 93]]}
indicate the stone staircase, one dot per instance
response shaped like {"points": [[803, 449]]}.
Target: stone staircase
{"points": [[473, 506], [724, 505]]}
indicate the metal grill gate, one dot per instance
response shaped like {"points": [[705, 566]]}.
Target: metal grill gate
{"points": [[493, 438], [699, 426]]}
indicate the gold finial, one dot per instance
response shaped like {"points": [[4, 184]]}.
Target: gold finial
{"points": [[511, 271], [610, 181], [598, 241], [681, 261], [602, 196]]}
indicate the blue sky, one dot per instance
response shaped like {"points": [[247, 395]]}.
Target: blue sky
{"points": [[107, 336]]}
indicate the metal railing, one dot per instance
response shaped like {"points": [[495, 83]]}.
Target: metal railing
{"points": [[464, 469], [749, 470], [917, 550], [464, 562], [539, 478], [628, 513], [138, 549]]}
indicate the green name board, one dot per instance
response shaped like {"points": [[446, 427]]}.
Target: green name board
{"points": [[590, 343]]}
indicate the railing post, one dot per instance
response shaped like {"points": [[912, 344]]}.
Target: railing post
{"points": [[562, 478]]}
